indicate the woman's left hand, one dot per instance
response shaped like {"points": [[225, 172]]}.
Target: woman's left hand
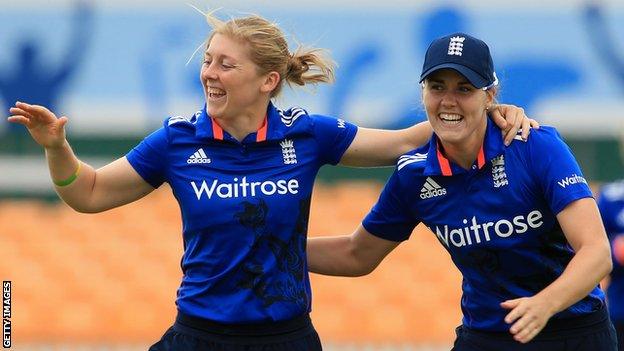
{"points": [[528, 315], [510, 119]]}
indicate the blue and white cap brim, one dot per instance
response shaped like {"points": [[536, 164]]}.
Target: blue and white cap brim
{"points": [[473, 77]]}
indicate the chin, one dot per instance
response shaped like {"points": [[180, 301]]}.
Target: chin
{"points": [[450, 137], [212, 112]]}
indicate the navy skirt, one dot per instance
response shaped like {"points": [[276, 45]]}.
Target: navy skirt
{"points": [[193, 333]]}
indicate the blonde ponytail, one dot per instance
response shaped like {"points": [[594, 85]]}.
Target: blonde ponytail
{"points": [[269, 51]]}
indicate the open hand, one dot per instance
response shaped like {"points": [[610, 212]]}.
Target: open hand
{"points": [[528, 315], [43, 125]]}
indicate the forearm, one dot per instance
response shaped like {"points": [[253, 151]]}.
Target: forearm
{"points": [[418, 135], [590, 265], [334, 256], [379, 147], [63, 164]]}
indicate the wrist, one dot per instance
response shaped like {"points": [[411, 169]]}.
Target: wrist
{"points": [[55, 149], [67, 181], [553, 305]]}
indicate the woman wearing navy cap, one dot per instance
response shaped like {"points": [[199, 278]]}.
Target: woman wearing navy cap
{"points": [[611, 205], [242, 172], [519, 222]]}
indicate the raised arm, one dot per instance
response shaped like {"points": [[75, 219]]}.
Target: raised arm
{"points": [[582, 226], [78, 184], [378, 147], [348, 255]]}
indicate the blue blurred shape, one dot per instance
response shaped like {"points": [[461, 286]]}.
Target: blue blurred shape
{"points": [[33, 80]]}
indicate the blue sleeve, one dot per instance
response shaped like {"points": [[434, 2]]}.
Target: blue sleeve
{"points": [[390, 218], [333, 136], [556, 169], [149, 158], [606, 213]]}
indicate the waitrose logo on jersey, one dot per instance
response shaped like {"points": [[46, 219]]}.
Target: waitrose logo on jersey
{"points": [[475, 232], [243, 188]]}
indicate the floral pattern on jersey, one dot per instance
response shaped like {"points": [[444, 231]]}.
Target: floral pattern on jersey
{"points": [[289, 255]]}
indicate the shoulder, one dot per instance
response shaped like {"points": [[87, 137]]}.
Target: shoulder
{"points": [[293, 116], [182, 122], [413, 162], [542, 137], [296, 120], [297, 116], [542, 144], [180, 126]]}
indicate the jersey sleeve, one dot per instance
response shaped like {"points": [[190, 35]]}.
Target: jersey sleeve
{"points": [[606, 213], [556, 169], [390, 218], [333, 136], [149, 158]]}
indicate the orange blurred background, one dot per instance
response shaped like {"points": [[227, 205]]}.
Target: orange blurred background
{"points": [[111, 278]]}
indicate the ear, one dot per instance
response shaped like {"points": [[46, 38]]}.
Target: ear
{"points": [[271, 80], [490, 95]]}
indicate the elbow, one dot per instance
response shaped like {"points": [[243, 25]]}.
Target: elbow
{"points": [[355, 271], [363, 270], [607, 262], [361, 265], [83, 207], [85, 210], [608, 265]]}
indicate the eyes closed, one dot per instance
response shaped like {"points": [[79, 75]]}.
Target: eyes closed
{"points": [[225, 63]]}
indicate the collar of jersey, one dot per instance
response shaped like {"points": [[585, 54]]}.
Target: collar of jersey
{"points": [[438, 164], [208, 128]]}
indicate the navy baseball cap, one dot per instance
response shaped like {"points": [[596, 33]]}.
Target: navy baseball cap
{"points": [[465, 54]]}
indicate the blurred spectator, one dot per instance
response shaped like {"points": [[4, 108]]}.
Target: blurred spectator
{"points": [[33, 79]]}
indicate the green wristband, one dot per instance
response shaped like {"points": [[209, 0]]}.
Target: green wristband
{"points": [[71, 179]]}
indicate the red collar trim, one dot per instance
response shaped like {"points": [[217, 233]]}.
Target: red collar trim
{"points": [[445, 165], [217, 131], [261, 134], [481, 158]]}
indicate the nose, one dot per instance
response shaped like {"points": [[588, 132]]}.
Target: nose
{"points": [[209, 72], [449, 99]]}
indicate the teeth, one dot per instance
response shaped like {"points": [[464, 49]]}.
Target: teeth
{"points": [[451, 117], [216, 91]]}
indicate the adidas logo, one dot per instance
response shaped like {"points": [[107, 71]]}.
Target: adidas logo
{"points": [[431, 189], [198, 157]]}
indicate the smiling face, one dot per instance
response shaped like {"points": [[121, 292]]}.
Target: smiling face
{"points": [[455, 108], [232, 83]]}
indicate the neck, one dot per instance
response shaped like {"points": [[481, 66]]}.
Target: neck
{"points": [[464, 152], [245, 123]]}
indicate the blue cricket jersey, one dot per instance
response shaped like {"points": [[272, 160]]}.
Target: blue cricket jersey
{"points": [[497, 220], [611, 205], [245, 208]]}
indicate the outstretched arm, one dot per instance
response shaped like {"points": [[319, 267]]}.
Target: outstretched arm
{"points": [[378, 147], [348, 255], [78, 184], [582, 226]]}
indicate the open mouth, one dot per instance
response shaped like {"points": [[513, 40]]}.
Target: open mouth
{"points": [[451, 118], [216, 93]]}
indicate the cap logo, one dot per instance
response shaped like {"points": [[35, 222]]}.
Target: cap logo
{"points": [[456, 46]]}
